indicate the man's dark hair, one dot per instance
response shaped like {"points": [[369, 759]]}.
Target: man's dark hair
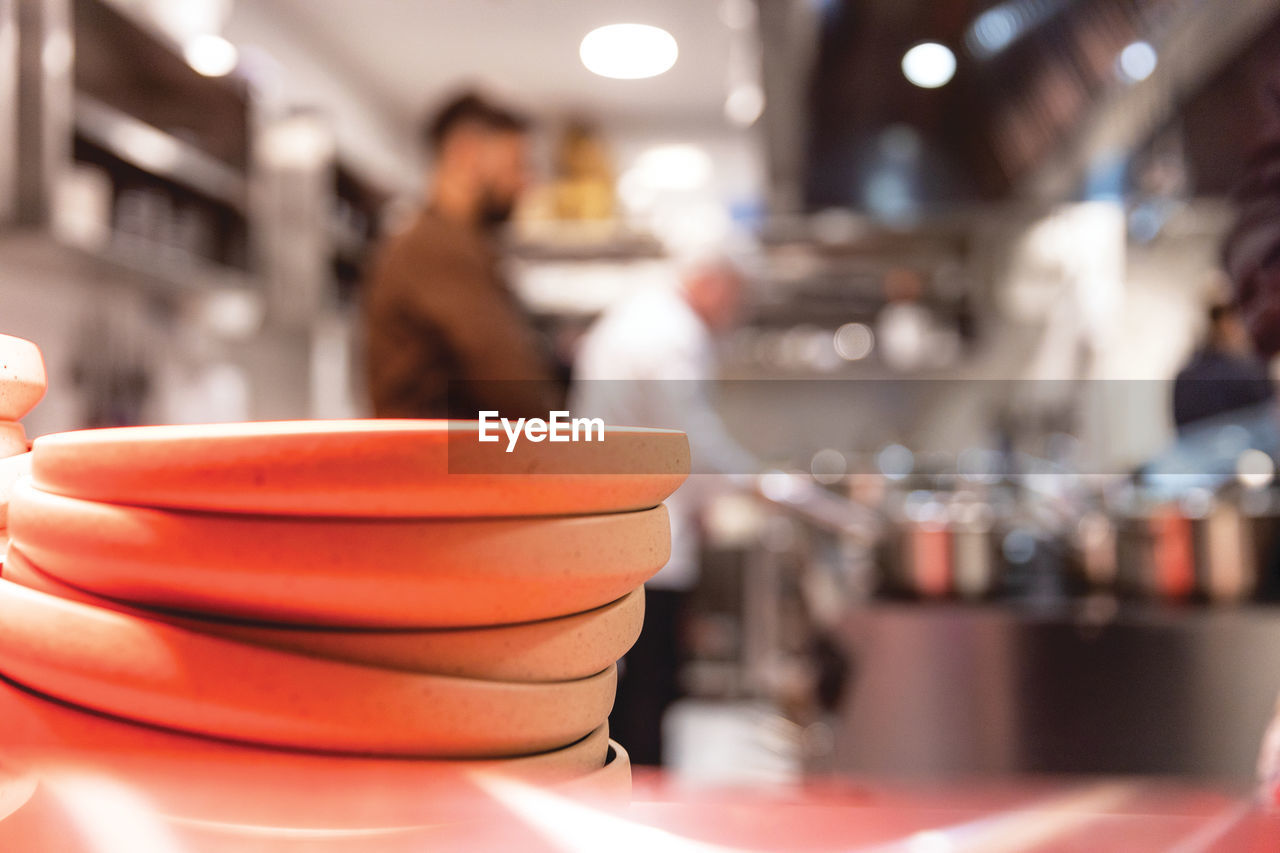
{"points": [[470, 108]]}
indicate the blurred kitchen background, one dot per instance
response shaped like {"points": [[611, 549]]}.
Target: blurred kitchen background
{"points": [[981, 237]]}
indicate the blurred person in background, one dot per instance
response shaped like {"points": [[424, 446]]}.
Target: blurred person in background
{"points": [[905, 325], [446, 337], [648, 361], [1223, 375]]}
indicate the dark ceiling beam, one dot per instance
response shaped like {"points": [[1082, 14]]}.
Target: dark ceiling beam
{"points": [[1200, 39]]}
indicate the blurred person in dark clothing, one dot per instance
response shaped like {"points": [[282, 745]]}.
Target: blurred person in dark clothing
{"points": [[1223, 375], [446, 337]]}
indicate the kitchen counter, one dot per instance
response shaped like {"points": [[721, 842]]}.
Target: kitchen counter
{"points": [[1025, 814], [1028, 814]]}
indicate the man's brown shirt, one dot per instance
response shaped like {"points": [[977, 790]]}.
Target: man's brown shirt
{"points": [[442, 328]]}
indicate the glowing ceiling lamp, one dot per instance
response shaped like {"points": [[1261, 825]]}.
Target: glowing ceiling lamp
{"points": [[210, 55], [929, 65], [1138, 61], [628, 51], [744, 105]]}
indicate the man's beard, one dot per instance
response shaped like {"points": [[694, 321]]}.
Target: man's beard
{"points": [[495, 210]]}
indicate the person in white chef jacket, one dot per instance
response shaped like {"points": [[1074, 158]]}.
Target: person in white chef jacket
{"points": [[650, 361]]}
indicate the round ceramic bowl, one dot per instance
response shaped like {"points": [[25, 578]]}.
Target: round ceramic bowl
{"points": [[169, 676], [372, 573], [22, 377], [200, 779], [13, 439], [382, 468], [11, 468], [561, 649]]}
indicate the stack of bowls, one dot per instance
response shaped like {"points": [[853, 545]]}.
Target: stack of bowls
{"points": [[311, 626], [22, 385]]}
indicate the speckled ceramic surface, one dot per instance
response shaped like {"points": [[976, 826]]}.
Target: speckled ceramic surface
{"points": [[13, 439], [11, 468], [611, 783], [259, 785], [22, 377], [341, 572], [384, 468], [550, 650], [167, 676]]}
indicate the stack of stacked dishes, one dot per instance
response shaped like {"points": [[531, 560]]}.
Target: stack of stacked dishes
{"points": [[22, 385], [319, 625]]}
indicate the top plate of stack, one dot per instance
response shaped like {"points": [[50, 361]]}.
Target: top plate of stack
{"points": [[362, 468]]}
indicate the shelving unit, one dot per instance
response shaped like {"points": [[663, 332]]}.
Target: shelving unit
{"points": [[125, 63], [162, 155], [114, 131], [569, 243], [127, 177], [145, 267], [354, 225], [567, 274], [175, 145]]}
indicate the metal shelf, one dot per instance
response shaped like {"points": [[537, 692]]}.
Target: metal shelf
{"points": [[156, 152], [127, 259], [568, 242]]}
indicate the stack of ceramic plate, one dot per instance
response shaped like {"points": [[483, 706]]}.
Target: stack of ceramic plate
{"points": [[327, 623], [22, 384]]}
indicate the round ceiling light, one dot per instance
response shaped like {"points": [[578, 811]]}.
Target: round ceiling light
{"points": [[211, 56], [929, 65], [1138, 61], [744, 105], [628, 51]]}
